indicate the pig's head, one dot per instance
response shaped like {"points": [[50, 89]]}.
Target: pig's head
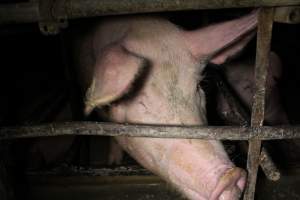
{"points": [[149, 74], [146, 71]]}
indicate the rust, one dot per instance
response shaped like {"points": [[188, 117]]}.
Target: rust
{"points": [[264, 34], [268, 167], [71, 9], [158, 131], [289, 14], [239, 116]]}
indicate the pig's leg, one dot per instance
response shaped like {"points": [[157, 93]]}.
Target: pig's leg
{"points": [[115, 153]]}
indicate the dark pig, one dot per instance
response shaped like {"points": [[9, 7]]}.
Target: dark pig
{"points": [[145, 70], [240, 76], [234, 105]]}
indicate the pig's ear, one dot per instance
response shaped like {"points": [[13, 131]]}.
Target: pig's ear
{"points": [[219, 41], [114, 73]]}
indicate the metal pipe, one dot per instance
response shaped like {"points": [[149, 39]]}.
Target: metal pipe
{"points": [[264, 35], [290, 14], [268, 166], [71, 9], [158, 131]]}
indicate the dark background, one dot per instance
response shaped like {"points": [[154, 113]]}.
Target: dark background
{"points": [[38, 85]]}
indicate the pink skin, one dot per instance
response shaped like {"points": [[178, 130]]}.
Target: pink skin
{"points": [[200, 169], [240, 75]]}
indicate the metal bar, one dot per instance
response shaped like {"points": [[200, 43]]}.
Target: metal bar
{"points": [[20, 12], [264, 34], [268, 166], [72, 170], [71, 9], [158, 131], [290, 14], [241, 117]]}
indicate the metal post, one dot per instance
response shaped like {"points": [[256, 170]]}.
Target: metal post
{"points": [[265, 23], [240, 116]]}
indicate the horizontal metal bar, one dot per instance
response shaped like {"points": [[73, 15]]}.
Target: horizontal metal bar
{"points": [[158, 131], [71, 9], [289, 14], [72, 170], [19, 13]]}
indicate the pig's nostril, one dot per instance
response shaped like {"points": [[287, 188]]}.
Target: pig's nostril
{"points": [[230, 185], [242, 181]]}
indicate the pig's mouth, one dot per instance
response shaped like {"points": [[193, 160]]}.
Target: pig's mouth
{"points": [[229, 187]]}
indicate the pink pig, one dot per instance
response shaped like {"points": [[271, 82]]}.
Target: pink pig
{"points": [[145, 70]]}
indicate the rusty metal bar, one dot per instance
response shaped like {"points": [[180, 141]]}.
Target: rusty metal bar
{"points": [[71, 9], [239, 116], [72, 170], [268, 166], [264, 34], [158, 131], [289, 14]]}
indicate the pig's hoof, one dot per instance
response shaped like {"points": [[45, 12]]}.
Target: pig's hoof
{"points": [[230, 185]]}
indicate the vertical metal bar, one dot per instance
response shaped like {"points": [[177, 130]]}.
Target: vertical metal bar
{"points": [[264, 34], [239, 116]]}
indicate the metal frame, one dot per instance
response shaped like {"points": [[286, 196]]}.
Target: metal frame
{"points": [[264, 33], [72, 9], [55, 12], [157, 131]]}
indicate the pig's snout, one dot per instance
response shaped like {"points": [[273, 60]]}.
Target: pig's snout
{"points": [[230, 185]]}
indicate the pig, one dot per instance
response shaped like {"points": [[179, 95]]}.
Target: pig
{"points": [[240, 76], [145, 70]]}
